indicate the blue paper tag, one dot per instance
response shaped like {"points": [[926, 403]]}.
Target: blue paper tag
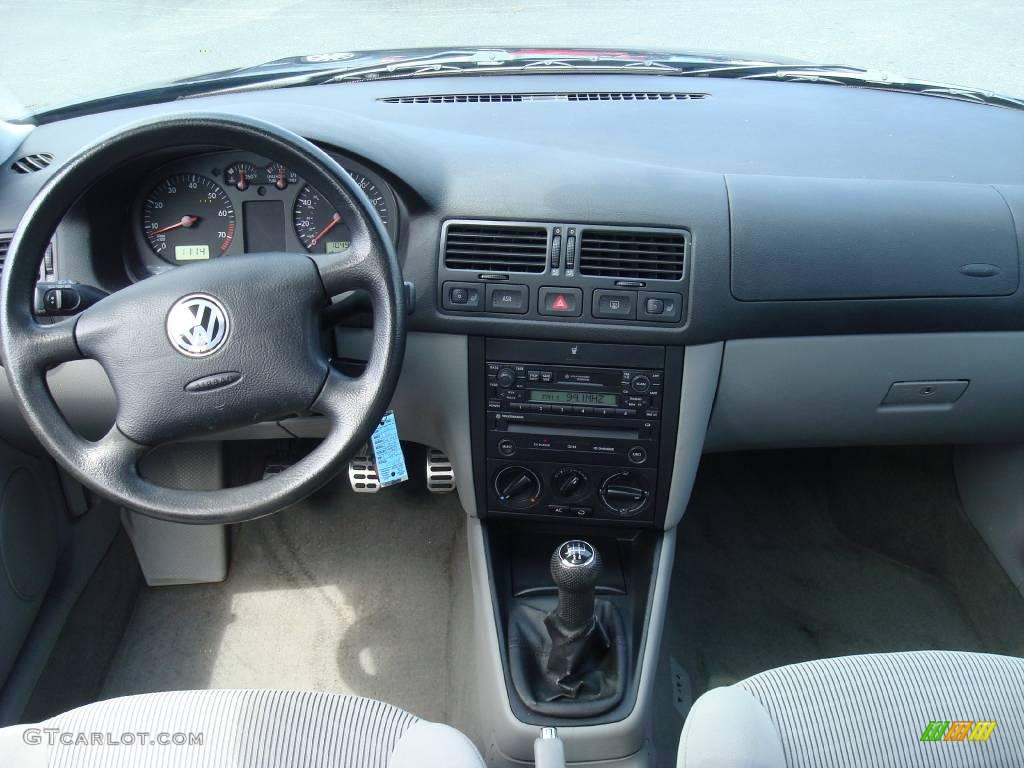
{"points": [[387, 452]]}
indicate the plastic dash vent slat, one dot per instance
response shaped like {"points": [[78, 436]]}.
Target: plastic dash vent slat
{"points": [[32, 163], [496, 248], [5, 244], [633, 254], [520, 98]]}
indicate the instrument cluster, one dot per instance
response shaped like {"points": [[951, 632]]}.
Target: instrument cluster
{"points": [[223, 203]]}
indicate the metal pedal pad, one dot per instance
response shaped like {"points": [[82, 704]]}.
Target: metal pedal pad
{"points": [[362, 472], [440, 472]]}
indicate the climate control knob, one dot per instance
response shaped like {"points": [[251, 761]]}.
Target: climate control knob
{"points": [[624, 493], [569, 483], [517, 487], [506, 378]]}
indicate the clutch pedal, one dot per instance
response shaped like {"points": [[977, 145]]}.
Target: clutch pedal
{"points": [[440, 472], [362, 472]]}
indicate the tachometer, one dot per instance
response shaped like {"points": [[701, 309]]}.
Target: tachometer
{"points": [[320, 227], [188, 217]]}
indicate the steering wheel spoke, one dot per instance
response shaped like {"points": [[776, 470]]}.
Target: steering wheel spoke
{"points": [[113, 454], [48, 345]]}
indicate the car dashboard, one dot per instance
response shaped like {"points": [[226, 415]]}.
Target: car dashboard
{"points": [[789, 263]]}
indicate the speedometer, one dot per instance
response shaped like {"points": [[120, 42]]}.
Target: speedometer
{"points": [[320, 227], [188, 217]]}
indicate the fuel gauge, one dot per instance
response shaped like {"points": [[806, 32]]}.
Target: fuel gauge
{"points": [[241, 176], [280, 176]]}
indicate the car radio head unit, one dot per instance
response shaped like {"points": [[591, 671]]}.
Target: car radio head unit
{"points": [[574, 430]]}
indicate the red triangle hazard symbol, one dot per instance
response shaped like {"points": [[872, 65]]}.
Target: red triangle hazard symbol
{"points": [[560, 303]]}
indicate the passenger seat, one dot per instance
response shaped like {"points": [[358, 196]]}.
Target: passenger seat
{"points": [[923, 709]]}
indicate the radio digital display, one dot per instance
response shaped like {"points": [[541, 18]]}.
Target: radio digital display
{"points": [[572, 398]]}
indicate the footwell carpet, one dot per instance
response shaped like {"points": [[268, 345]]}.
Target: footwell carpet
{"points": [[344, 592]]}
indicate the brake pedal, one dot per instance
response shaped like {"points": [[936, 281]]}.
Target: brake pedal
{"points": [[362, 472], [440, 472]]}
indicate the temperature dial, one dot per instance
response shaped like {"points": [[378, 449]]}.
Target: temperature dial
{"points": [[517, 487]]}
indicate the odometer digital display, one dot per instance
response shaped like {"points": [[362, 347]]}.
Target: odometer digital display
{"points": [[191, 252], [572, 398]]}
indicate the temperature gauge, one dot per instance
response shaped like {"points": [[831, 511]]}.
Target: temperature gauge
{"points": [[241, 176]]}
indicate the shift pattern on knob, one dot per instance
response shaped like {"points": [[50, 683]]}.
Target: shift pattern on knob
{"points": [[575, 568]]}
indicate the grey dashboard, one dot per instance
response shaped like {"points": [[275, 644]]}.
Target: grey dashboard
{"points": [[807, 210]]}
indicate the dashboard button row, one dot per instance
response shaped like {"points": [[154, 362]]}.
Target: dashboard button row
{"points": [[563, 301]]}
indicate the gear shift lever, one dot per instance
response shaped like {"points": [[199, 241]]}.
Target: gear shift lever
{"points": [[569, 659], [575, 568]]}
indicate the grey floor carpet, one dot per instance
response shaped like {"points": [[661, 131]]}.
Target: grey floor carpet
{"points": [[797, 555], [344, 592]]}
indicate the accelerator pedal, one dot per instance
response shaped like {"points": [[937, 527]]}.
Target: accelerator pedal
{"points": [[362, 472], [440, 472]]}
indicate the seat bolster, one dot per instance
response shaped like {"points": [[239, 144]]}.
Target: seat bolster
{"points": [[728, 726], [17, 750], [434, 745]]}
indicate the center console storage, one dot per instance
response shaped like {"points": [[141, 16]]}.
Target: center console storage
{"points": [[574, 431]]}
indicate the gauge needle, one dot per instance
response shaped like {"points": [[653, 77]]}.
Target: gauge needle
{"points": [[186, 221], [334, 220]]}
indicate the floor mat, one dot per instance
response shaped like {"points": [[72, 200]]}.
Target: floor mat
{"points": [[796, 555], [343, 592]]}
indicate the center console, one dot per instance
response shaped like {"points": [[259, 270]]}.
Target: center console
{"points": [[574, 431]]}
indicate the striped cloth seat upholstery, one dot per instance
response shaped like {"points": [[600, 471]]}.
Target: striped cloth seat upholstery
{"points": [[236, 729], [923, 709]]}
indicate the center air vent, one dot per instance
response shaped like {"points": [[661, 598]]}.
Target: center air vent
{"points": [[495, 247], [32, 163], [519, 98], [632, 253]]}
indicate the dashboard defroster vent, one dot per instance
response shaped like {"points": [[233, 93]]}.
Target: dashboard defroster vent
{"points": [[642, 254], [496, 247], [32, 163], [519, 98]]}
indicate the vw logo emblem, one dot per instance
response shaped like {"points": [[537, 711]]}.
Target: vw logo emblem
{"points": [[197, 325]]}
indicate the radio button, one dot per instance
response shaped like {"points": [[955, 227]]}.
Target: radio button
{"points": [[546, 376], [651, 413], [637, 454], [640, 383]]}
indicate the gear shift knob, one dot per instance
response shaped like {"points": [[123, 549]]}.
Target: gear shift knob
{"points": [[575, 567]]}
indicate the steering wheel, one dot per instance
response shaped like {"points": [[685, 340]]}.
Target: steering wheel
{"points": [[211, 345]]}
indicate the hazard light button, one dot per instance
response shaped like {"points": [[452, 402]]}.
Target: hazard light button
{"points": [[567, 302]]}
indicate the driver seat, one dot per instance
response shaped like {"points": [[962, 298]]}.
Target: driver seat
{"points": [[237, 729]]}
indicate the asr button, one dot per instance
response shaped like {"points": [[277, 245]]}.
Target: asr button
{"points": [[514, 299], [567, 302]]}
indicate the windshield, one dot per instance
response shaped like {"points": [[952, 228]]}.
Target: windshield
{"points": [[69, 51]]}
